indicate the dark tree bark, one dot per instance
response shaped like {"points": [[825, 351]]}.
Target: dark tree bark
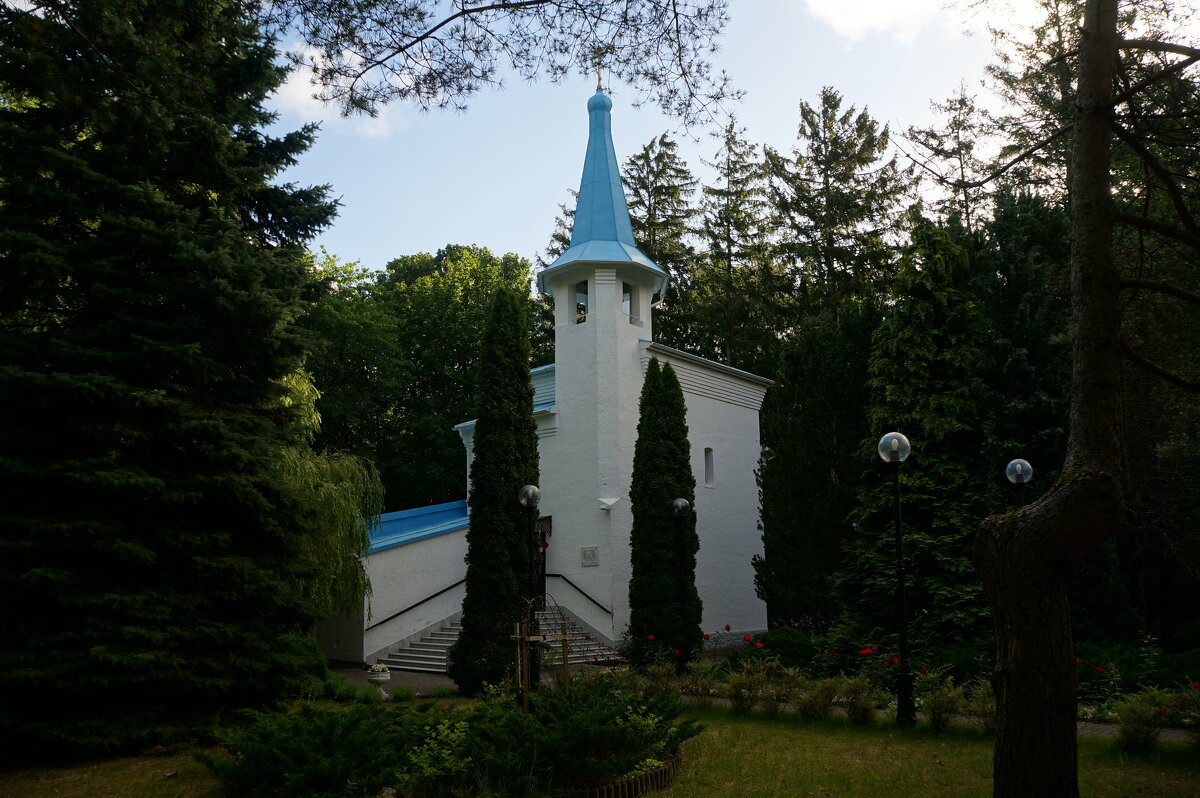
{"points": [[1026, 557]]}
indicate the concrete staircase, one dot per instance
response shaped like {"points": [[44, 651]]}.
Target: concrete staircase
{"points": [[428, 654]]}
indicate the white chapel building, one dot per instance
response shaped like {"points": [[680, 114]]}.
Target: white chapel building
{"points": [[586, 408]]}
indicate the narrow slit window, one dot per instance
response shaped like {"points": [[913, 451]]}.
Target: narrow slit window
{"points": [[581, 301], [627, 300], [710, 474]]}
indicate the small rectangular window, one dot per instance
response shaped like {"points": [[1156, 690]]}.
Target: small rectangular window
{"points": [[581, 301], [710, 474]]}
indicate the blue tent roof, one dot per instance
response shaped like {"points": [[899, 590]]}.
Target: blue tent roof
{"points": [[602, 230]]}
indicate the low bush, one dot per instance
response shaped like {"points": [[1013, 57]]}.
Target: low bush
{"points": [[940, 699], [817, 700], [858, 699], [980, 704], [590, 735], [1141, 719]]}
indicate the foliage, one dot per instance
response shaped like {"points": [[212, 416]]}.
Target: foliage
{"points": [[154, 554], [375, 51], [659, 187], [837, 199], [397, 360], [1141, 719], [664, 605], [935, 330], [592, 734], [940, 699], [501, 545]]}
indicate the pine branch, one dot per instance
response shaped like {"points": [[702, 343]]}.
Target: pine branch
{"points": [[1157, 370], [1160, 47], [1172, 188], [1134, 284], [1170, 231]]}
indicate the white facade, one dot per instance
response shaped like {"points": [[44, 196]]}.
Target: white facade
{"points": [[586, 408]]}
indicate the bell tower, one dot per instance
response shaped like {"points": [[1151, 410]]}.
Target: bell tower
{"points": [[603, 289]]}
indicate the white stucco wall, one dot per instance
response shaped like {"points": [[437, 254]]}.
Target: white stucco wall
{"points": [[404, 575]]}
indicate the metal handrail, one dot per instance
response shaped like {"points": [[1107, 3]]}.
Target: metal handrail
{"points": [[582, 592], [411, 607]]}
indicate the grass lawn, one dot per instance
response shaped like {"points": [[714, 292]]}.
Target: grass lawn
{"points": [[748, 757], [755, 757]]}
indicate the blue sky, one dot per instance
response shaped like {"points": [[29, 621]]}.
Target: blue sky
{"points": [[494, 176]]}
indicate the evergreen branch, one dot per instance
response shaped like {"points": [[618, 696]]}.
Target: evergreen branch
{"points": [[1157, 370], [1170, 231], [1178, 66], [1133, 284], [1160, 47], [1030, 150], [1172, 188]]}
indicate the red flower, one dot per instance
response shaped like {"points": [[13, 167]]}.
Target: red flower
{"points": [[726, 627], [1099, 669], [758, 645], [1196, 685], [895, 660], [1078, 661], [649, 637], [831, 651], [677, 652], [587, 637], [747, 638], [887, 663], [862, 652], [545, 544], [924, 669], [706, 635]]}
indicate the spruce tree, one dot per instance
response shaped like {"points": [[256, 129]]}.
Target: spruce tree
{"points": [[153, 560], [501, 545], [925, 382], [664, 606], [659, 187]]}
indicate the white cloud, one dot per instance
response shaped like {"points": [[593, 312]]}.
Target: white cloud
{"points": [[296, 103], [904, 20]]}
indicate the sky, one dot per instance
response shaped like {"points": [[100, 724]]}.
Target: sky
{"points": [[495, 174]]}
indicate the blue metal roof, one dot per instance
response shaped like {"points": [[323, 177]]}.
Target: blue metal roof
{"points": [[602, 230], [409, 526]]}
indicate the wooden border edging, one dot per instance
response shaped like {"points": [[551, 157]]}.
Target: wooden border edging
{"points": [[631, 788]]}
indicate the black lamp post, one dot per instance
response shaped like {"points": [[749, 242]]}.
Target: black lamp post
{"points": [[894, 449], [1019, 472], [529, 496], [680, 509]]}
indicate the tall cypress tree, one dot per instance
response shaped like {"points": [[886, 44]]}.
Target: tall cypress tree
{"points": [[663, 601], [501, 546], [152, 551]]}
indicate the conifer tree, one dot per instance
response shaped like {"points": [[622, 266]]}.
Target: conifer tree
{"points": [[740, 297], [837, 199], [664, 606], [659, 187], [501, 545], [925, 382], [154, 553]]}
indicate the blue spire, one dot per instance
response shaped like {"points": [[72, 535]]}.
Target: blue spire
{"points": [[602, 231]]}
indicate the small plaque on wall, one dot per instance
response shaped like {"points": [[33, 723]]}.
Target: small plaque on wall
{"points": [[589, 556]]}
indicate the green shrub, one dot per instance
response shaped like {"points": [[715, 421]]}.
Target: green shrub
{"points": [[858, 699], [742, 690], [402, 694], [817, 700], [317, 752], [980, 704], [1141, 718], [441, 692], [940, 698], [700, 682], [594, 733]]}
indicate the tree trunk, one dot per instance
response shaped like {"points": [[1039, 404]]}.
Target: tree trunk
{"points": [[1026, 557]]}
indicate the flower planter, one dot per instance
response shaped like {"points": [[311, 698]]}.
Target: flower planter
{"points": [[379, 680]]}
